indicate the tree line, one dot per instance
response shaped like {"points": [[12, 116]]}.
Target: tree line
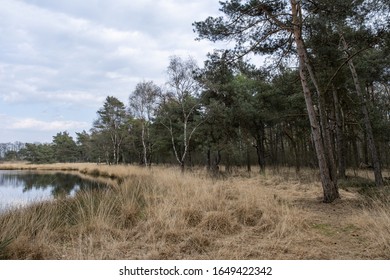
{"points": [[322, 100]]}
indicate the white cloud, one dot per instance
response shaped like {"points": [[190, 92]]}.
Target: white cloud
{"points": [[12, 97], [31, 130], [76, 98], [38, 125], [11, 123]]}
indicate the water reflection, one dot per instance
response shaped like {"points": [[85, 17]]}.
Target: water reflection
{"points": [[18, 188]]}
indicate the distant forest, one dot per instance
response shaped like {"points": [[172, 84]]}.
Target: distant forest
{"points": [[323, 100]]}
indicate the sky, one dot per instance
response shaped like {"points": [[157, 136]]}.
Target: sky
{"points": [[60, 59]]}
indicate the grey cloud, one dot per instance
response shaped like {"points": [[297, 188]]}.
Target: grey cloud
{"points": [[65, 53]]}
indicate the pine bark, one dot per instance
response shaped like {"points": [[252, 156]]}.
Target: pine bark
{"points": [[340, 142], [260, 149], [366, 119], [329, 182]]}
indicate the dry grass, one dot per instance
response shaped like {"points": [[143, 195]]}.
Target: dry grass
{"points": [[160, 213]]}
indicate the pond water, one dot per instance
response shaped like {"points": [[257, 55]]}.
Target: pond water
{"points": [[19, 188]]}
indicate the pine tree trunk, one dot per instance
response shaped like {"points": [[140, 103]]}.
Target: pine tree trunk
{"points": [[329, 183], [297, 157], [208, 159], [324, 124], [355, 150], [340, 143], [260, 151], [366, 117], [294, 145], [248, 159]]}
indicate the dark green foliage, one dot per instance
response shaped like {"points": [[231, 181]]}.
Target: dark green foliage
{"points": [[39, 153], [84, 145], [110, 129], [248, 24], [65, 149]]}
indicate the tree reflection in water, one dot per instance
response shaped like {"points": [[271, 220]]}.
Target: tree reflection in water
{"points": [[59, 184]]}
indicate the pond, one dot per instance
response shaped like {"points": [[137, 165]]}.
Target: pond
{"points": [[19, 188]]}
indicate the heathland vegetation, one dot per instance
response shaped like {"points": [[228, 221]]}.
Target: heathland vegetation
{"points": [[257, 148], [161, 213]]}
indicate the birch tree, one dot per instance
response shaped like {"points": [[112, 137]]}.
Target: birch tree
{"points": [[143, 102], [180, 106]]}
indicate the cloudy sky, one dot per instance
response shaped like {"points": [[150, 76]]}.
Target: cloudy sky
{"points": [[60, 59]]}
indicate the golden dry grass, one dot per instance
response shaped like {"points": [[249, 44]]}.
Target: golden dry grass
{"points": [[160, 213]]}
